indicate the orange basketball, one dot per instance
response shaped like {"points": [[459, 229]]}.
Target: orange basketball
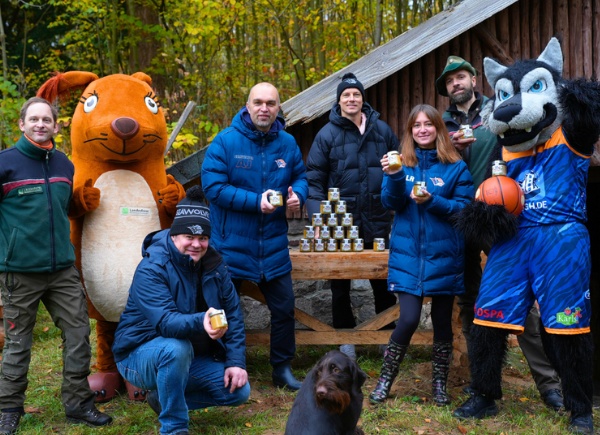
{"points": [[502, 190]]}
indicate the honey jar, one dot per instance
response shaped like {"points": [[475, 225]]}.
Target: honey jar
{"points": [[325, 233], [379, 245], [347, 220], [498, 167], [353, 232], [326, 207], [346, 245], [332, 221], [332, 245], [305, 245], [358, 245], [467, 131], [317, 219], [276, 198], [340, 207], [394, 160], [218, 319], [333, 194], [338, 233], [319, 245], [309, 232], [419, 188]]}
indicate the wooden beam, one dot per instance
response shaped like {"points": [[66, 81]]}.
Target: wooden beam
{"points": [[493, 45], [339, 265], [339, 336]]}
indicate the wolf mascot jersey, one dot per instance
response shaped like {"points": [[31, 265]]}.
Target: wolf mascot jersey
{"points": [[553, 177]]}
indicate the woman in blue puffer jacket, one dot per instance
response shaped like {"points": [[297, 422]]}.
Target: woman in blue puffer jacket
{"points": [[426, 252]]}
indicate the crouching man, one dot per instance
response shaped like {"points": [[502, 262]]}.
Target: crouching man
{"points": [[165, 342]]}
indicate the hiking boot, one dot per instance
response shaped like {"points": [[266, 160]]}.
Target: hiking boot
{"points": [[9, 422], [477, 406], [553, 399], [91, 417], [582, 425]]}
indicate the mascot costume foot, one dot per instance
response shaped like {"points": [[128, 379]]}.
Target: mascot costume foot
{"points": [[546, 128], [121, 193]]}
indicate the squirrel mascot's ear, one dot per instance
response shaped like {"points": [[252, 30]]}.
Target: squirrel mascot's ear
{"points": [[63, 85]]}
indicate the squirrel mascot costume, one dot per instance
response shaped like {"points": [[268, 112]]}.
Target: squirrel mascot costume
{"points": [[121, 192], [546, 128]]}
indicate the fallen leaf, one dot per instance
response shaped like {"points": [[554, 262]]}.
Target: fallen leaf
{"points": [[427, 420], [46, 329], [523, 399], [462, 429], [248, 424]]}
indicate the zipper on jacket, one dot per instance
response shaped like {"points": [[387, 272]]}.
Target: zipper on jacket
{"points": [[46, 167], [421, 240], [261, 228]]}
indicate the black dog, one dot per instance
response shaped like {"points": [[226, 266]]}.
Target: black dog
{"points": [[330, 399]]}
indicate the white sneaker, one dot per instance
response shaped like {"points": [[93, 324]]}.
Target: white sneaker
{"points": [[350, 350]]}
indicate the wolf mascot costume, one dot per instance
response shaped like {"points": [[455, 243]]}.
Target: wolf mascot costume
{"points": [[547, 127]]}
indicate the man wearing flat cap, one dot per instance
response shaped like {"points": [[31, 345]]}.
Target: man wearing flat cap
{"points": [[165, 342], [457, 82]]}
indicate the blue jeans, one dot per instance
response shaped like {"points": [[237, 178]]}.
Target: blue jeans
{"points": [[182, 381]]}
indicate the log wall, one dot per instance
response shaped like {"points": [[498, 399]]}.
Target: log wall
{"points": [[520, 31]]}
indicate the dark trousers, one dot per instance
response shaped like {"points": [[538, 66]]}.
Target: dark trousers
{"points": [[341, 304], [279, 295], [62, 295], [410, 315]]}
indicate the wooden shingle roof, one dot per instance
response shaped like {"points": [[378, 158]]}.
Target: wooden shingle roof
{"points": [[393, 56]]}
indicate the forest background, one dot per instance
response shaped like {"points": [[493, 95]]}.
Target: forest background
{"points": [[207, 51]]}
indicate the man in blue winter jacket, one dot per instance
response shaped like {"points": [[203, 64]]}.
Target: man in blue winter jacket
{"points": [[165, 341], [244, 166]]}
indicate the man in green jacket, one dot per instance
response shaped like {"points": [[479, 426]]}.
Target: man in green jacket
{"points": [[37, 265]]}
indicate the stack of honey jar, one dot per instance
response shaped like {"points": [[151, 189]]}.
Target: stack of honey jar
{"points": [[333, 229]]}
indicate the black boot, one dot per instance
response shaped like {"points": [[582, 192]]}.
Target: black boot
{"points": [[571, 356], [441, 358], [477, 406], [284, 378], [392, 357], [487, 351]]}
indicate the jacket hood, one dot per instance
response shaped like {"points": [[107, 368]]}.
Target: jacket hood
{"points": [[242, 122]]}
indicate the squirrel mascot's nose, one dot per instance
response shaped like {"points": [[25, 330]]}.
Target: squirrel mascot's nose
{"points": [[125, 128]]}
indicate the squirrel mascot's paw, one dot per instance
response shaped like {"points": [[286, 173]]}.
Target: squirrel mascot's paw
{"points": [[86, 198], [169, 195], [483, 225]]}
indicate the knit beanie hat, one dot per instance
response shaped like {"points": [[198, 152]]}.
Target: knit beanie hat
{"points": [[349, 81], [192, 216]]}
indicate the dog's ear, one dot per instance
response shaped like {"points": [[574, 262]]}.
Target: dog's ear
{"points": [[358, 375]]}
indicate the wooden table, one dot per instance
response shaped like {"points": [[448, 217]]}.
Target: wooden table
{"points": [[336, 265]]}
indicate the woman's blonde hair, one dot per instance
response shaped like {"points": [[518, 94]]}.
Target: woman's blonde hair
{"points": [[446, 152]]}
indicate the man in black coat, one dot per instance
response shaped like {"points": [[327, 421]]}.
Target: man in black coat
{"points": [[346, 154]]}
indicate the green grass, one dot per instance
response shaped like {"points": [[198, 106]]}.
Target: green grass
{"points": [[408, 411]]}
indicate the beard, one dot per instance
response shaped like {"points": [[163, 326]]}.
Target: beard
{"points": [[462, 98]]}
